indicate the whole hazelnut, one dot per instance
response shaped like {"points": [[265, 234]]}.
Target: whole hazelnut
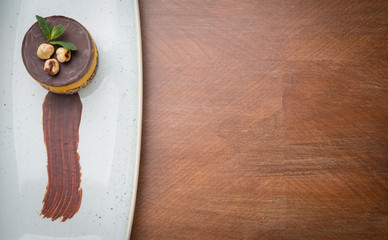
{"points": [[51, 66], [45, 51], [63, 54]]}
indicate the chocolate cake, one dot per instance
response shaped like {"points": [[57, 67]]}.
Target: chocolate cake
{"points": [[74, 74]]}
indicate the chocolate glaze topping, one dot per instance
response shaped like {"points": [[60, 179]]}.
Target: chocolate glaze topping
{"points": [[61, 120], [69, 72]]}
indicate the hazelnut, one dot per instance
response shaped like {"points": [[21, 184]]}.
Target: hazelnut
{"points": [[63, 54], [51, 66], [45, 51]]}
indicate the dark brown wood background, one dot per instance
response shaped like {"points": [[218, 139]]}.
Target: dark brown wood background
{"points": [[264, 120]]}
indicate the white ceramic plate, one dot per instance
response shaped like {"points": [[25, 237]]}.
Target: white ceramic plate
{"points": [[109, 132]]}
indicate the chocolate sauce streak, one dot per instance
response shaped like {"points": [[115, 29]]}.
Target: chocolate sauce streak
{"points": [[61, 120]]}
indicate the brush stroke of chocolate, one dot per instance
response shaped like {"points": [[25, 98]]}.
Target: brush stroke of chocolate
{"points": [[61, 120]]}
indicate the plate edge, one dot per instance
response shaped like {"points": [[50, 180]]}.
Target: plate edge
{"points": [[139, 120]]}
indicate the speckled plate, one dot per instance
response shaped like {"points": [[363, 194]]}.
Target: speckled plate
{"points": [[109, 132]]}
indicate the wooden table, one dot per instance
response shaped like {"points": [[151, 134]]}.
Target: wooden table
{"points": [[264, 120]]}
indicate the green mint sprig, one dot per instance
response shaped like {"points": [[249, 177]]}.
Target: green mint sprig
{"points": [[66, 45], [52, 33]]}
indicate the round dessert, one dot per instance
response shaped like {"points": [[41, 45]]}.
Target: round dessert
{"points": [[74, 74]]}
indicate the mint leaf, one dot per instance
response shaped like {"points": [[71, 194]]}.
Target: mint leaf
{"points": [[66, 45], [44, 26], [57, 31]]}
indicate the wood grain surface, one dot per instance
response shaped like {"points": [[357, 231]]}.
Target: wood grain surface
{"points": [[264, 120]]}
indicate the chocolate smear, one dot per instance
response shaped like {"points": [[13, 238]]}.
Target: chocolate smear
{"points": [[61, 120]]}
